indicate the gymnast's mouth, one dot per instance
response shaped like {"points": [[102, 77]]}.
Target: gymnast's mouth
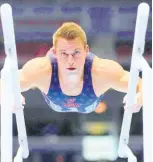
{"points": [[71, 69]]}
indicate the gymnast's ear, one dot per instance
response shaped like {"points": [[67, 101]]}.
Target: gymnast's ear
{"points": [[86, 49], [54, 51]]}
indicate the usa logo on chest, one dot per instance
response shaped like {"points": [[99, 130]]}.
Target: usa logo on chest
{"points": [[71, 103]]}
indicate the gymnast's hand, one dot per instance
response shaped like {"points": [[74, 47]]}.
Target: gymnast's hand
{"points": [[23, 103], [138, 103]]}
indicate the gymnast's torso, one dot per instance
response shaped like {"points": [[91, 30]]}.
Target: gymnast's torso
{"points": [[85, 102]]}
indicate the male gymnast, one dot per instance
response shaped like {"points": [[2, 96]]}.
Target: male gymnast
{"points": [[73, 79]]}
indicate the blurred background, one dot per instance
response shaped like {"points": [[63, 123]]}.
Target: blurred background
{"points": [[73, 137]]}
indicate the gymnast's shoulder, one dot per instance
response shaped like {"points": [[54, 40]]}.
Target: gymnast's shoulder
{"points": [[106, 67], [37, 66]]}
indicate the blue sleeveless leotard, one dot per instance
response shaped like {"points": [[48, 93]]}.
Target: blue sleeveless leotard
{"points": [[86, 102]]}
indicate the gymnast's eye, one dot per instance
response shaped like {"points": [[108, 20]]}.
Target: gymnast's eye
{"points": [[64, 54], [76, 53]]}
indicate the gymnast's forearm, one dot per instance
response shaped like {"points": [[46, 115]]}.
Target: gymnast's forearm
{"points": [[139, 86], [125, 80], [122, 84]]}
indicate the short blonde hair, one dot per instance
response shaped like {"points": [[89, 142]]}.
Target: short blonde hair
{"points": [[70, 31]]}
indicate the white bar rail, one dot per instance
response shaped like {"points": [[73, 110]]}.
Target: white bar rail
{"points": [[137, 63], [10, 85]]}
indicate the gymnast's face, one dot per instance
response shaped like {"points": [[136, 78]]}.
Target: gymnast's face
{"points": [[71, 55]]}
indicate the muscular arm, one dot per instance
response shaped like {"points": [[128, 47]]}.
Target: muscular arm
{"points": [[33, 72], [114, 76], [120, 78]]}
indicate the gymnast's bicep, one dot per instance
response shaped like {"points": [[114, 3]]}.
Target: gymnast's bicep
{"points": [[32, 73]]}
